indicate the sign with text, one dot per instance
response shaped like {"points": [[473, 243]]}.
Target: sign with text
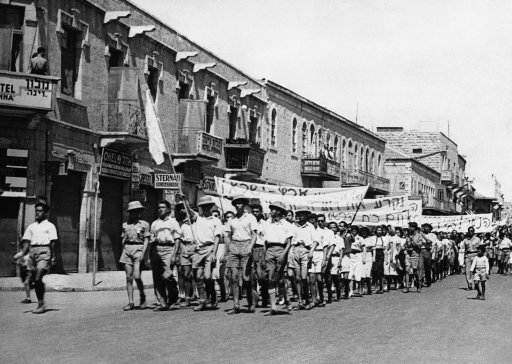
{"points": [[168, 181], [116, 165], [481, 222], [23, 90], [207, 185]]}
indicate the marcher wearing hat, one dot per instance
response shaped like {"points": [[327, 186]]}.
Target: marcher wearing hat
{"points": [[241, 237], [166, 237], [418, 243], [206, 230], [135, 238], [299, 259], [258, 254], [471, 246], [277, 234]]}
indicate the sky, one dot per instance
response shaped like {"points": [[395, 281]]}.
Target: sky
{"points": [[417, 64]]}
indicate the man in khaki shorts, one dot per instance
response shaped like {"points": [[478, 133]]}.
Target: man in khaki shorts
{"points": [[39, 242], [166, 238], [135, 239], [240, 240], [277, 234]]}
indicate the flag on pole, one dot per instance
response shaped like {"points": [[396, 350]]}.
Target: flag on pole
{"points": [[156, 140]]}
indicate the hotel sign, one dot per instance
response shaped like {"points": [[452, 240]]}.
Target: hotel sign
{"points": [[26, 90]]}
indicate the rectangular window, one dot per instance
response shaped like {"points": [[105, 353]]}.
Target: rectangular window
{"points": [[184, 90], [70, 58], [11, 37], [233, 120], [116, 58], [152, 80]]}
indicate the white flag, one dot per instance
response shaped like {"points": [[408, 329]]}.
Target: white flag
{"points": [[156, 140]]}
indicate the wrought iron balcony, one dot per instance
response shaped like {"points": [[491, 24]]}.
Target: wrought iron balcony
{"points": [[122, 117], [357, 177], [243, 157], [321, 167]]}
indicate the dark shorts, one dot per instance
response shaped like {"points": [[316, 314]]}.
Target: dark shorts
{"points": [[39, 257], [274, 262], [239, 253]]}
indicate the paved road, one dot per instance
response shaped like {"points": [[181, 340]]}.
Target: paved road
{"points": [[439, 325]]}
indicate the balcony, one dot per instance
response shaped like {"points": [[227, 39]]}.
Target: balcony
{"points": [[356, 177], [198, 145], [244, 158], [447, 177], [26, 93], [322, 167]]}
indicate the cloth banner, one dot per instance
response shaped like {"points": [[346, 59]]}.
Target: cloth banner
{"points": [[156, 141], [230, 188], [394, 211], [481, 222]]}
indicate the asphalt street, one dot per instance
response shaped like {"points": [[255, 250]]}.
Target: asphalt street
{"points": [[441, 324]]}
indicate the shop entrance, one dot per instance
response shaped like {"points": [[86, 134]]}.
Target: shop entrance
{"points": [[65, 213], [109, 244], [8, 234]]}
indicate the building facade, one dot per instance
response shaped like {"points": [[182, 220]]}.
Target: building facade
{"points": [[309, 145]]}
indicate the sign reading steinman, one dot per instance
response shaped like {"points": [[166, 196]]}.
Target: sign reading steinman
{"points": [[168, 181]]}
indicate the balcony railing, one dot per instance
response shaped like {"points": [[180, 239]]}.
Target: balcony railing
{"points": [[244, 158], [27, 91], [447, 177], [197, 145], [122, 117], [321, 167], [361, 178]]}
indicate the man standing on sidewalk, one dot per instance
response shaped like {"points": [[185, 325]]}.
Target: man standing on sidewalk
{"points": [[166, 238], [39, 242], [135, 239]]}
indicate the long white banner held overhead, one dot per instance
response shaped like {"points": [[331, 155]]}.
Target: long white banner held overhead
{"points": [[395, 211], [229, 188], [481, 222]]}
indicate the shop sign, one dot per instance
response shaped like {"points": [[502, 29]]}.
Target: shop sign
{"points": [[207, 185], [29, 91], [135, 178], [78, 162], [146, 179], [116, 165], [168, 181]]}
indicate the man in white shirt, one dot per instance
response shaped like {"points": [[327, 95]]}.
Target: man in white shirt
{"points": [[242, 233], [166, 241], [206, 232], [303, 245], [258, 255], [318, 266], [39, 242], [278, 234]]}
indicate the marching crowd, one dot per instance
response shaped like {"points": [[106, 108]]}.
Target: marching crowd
{"points": [[293, 259]]}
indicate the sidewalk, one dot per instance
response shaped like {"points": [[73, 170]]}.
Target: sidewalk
{"points": [[79, 282]]}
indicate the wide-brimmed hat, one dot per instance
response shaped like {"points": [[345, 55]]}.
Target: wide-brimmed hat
{"points": [[302, 212], [255, 202], [240, 198], [206, 200], [278, 205], [134, 205]]}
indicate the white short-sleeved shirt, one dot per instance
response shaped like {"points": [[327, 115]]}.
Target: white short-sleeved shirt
{"points": [[326, 237], [186, 232], [358, 243], [206, 229], [505, 243], [339, 244], [260, 232], [241, 228], [166, 230], [40, 233], [277, 232], [304, 234]]}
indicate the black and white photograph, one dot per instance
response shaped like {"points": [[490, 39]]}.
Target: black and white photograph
{"points": [[255, 181]]}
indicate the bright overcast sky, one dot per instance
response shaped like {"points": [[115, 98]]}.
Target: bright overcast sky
{"points": [[403, 61]]}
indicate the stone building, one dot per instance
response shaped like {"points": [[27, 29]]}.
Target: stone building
{"points": [[435, 150], [309, 145], [88, 114]]}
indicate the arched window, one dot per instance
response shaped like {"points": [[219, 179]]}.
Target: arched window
{"points": [[336, 149], [294, 135], [350, 159], [355, 157], [361, 158], [273, 127], [372, 163], [320, 143], [366, 160], [379, 166], [312, 137], [304, 138], [343, 153]]}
